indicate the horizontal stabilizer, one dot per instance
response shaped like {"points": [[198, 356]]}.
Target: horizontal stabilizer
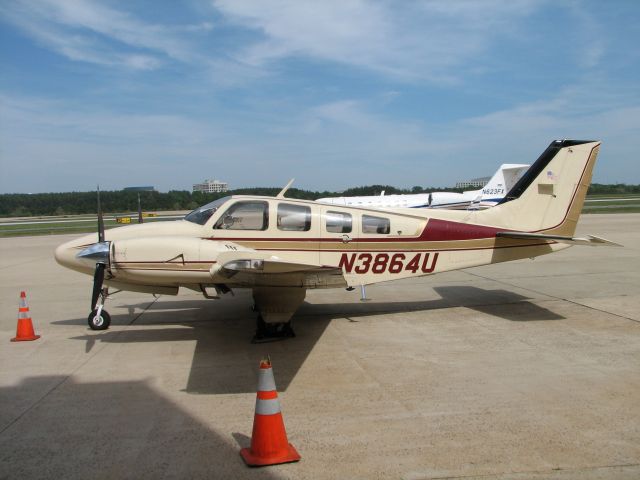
{"points": [[588, 240]]}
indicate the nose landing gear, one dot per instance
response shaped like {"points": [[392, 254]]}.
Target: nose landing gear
{"points": [[99, 318]]}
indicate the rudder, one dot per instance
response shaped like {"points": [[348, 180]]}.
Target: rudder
{"points": [[550, 195]]}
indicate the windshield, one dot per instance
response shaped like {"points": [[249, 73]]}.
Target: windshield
{"points": [[202, 214]]}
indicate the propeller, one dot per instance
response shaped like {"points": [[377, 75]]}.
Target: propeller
{"points": [[139, 210], [100, 219], [97, 253], [101, 261], [98, 278]]}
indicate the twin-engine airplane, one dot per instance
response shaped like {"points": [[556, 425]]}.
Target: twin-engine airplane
{"points": [[280, 247], [488, 196]]}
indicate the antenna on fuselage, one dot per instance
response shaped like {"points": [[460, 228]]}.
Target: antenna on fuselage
{"points": [[363, 293], [284, 190]]}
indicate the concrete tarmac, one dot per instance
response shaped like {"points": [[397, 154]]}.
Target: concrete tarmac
{"points": [[524, 370]]}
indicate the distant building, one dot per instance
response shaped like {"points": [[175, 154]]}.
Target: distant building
{"points": [[211, 186], [474, 183], [139, 189]]}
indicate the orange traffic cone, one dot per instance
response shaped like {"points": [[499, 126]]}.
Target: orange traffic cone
{"points": [[24, 331], [269, 444]]}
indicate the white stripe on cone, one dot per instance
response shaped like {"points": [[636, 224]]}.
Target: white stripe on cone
{"points": [[267, 407], [266, 382]]}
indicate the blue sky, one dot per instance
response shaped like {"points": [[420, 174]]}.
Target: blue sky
{"points": [[333, 93]]}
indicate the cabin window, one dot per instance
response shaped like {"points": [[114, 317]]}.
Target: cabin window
{"points": [[338, 222], [371, 224], [294, 218], [245, 216]]}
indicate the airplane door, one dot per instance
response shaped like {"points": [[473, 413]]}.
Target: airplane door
{"points": [[284, 229], [338, 234], [296, 229]]}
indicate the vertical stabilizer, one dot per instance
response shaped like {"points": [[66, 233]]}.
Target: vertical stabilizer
{"points": [[549, 196]]}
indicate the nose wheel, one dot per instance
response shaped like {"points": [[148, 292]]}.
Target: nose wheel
{"points": [[99, 318]]}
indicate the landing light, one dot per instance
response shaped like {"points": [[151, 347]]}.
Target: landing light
{"points": [[245, 265]]}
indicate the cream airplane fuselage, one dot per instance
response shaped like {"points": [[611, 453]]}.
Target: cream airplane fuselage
{"points": [[280, 247]]}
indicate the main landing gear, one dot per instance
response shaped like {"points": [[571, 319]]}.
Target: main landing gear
{"points": [[99, 318], [269, 332], [275, 307]]}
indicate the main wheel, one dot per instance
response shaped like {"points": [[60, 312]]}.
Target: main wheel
{"points": [[269, 332], [101, 322]]}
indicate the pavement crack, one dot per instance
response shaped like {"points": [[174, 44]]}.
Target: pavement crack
{"points": [[624, 317], [534, 472], [20, 264], [52, 389], [155, 299]]}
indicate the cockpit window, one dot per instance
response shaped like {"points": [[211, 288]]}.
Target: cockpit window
{"points": [[202, 214], [248, 215]]}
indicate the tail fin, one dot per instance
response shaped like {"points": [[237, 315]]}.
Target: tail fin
{"points": [[550, 195], [511, 173]]}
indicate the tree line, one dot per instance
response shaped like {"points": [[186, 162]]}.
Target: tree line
{"points": [[121, 201]]}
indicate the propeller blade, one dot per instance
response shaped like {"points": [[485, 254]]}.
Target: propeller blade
{"points": [[139, 210], [98, 278], [100, 220]]}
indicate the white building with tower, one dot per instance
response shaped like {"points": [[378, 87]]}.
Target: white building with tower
{"points": [[211, 186]]}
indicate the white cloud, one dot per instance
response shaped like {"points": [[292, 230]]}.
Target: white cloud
{"points": [[409, 40], [89, 31], [262, 135], [332, 145], [378, 149], [63, 147], [434, 41]]}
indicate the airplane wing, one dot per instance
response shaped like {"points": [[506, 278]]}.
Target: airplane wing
{"points": [[590, 240], [250, 269], [268, 266]]}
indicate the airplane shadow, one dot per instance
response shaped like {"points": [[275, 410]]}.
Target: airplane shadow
{"points": [[498, 303], [114, 429], [224, 360]]}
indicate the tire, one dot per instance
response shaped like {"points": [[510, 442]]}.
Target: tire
{"points": [[101, 323]]}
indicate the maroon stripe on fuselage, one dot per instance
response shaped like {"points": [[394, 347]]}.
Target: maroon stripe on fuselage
{"points": [[443, 230]]}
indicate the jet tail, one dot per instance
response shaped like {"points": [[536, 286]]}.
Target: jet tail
{"points": [[502, 181]]}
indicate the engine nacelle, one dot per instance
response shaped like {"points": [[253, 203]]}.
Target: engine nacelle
{"points": [[169, 260]]}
